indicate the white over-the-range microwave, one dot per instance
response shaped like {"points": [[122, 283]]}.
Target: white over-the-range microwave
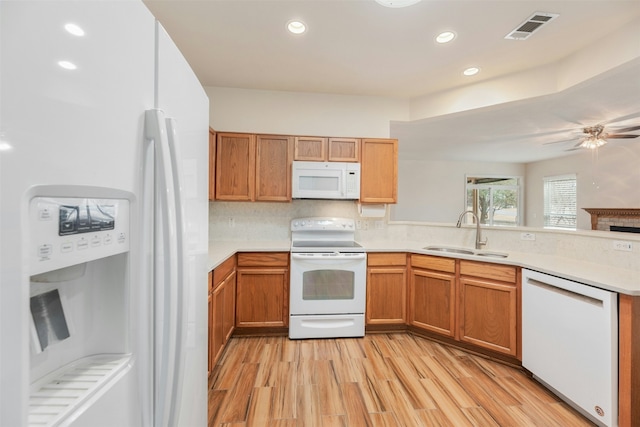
{"points": [[326, 180]]}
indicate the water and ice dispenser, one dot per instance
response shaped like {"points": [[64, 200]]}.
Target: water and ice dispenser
{"points": [[80, 301]]}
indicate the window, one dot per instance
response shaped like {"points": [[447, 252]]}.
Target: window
{"points": [[560, 202], [494, 199]]}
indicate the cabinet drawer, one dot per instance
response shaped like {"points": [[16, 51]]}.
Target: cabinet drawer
{"points": [[434, 263], [503, 273], [263, 259], [386, 259], [223, 270]]}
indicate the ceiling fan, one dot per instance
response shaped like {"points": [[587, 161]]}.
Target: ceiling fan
{"points": [[596, 136]]}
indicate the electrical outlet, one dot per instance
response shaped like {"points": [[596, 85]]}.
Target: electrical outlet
{"points": [[527, 236], [358, 224], [622, 245], [365, 225], [379, 225], [232, 222]]}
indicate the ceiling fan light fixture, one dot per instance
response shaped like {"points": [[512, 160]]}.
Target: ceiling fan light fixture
{"points": [[397, 3], [593, 142]]}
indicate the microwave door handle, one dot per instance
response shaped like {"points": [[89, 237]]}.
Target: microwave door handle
{"points": [[343, 187]]}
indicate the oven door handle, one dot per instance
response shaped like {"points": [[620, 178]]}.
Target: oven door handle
{"points": [[320, 257]]}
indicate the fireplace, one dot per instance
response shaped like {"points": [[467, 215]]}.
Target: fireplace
{"points": [[613, 219]]}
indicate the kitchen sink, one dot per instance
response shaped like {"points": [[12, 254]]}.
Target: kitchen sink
{"points": [[451, 250], [492, 254], [466, 251]]}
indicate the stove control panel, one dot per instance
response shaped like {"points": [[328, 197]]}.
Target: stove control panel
{"points": [[323, 224]]}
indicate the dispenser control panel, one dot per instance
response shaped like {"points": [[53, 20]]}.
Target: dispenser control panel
{"points": [[69, 231]]}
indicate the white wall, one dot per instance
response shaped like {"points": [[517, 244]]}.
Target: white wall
{"points": [[296, 113], [606, 178], [419, 181]]}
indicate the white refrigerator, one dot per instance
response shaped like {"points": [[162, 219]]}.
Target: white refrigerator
{"points": [[103, 219]]}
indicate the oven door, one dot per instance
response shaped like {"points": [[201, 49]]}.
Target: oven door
{"points": [[328, 283]]}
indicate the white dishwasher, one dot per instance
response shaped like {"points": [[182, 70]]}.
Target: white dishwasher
{"points": [[570, 342]]}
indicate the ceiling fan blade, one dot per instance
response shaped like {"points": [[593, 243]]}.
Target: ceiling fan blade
{"points": [[560, 142], [622, 118], [616, 136], [629, 129], [577, 147]]}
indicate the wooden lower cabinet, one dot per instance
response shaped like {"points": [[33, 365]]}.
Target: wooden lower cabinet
{"points": [[468, 301], [216, 335], [386, 289], [229, 313], [488, 315], [262, 290], [222, 289], [488, 312], [432, 291]]}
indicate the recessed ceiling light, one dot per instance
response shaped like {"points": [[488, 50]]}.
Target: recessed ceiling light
{"points": [[74, 29], [397, 3], [296, 27], [67, 65], [471, 71], [445, 37]]}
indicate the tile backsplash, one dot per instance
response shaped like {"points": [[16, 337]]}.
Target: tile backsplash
{"points": [[271, 221]]}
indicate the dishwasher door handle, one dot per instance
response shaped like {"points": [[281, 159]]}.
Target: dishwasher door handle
{"points": [[566, 292]]}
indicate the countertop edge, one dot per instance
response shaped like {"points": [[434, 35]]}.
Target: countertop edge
{"points": [[618, 280]]}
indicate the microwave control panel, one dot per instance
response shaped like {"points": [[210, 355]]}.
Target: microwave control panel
{"points": [[69, 231]]}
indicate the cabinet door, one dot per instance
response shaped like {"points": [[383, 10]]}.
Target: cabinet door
{"points": [[262, 297], [216, 334], [273, 168], [210, 335], [310, 148], [488, 314], [344, 150], [379, 171], [235, 166], [229, 315], [212, 164], [386, 295], [432, 301]]}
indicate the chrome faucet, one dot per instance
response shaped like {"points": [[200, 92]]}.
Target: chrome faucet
{"points": [[479, 242]]}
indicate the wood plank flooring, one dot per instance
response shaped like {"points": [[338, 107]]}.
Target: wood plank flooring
{"points": [[379, 380]]}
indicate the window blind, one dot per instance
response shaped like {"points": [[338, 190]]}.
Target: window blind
{"points": [[560, 202]]}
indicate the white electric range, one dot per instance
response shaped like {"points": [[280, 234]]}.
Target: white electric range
{"points": [[328, 279]]}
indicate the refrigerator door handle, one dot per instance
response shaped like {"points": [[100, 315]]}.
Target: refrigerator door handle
{"points": [[171, 235]]}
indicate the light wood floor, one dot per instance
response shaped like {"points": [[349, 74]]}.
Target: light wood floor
{"points": [[379, 380]]}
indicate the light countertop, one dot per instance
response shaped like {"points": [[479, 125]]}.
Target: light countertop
{"points": [[599, 275]]}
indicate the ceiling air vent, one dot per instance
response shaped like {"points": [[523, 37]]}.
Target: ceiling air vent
{"points": [[530, 25]]}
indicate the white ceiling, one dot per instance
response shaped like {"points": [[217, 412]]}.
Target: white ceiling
{"points": [[358, 47]]}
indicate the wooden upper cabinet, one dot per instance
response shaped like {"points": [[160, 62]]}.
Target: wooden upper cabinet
{"points": [[253, 167], [212, 164], [379, 171], [235, 166], [344, 150], [318, 149], [273, 168], [310, 149]]}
